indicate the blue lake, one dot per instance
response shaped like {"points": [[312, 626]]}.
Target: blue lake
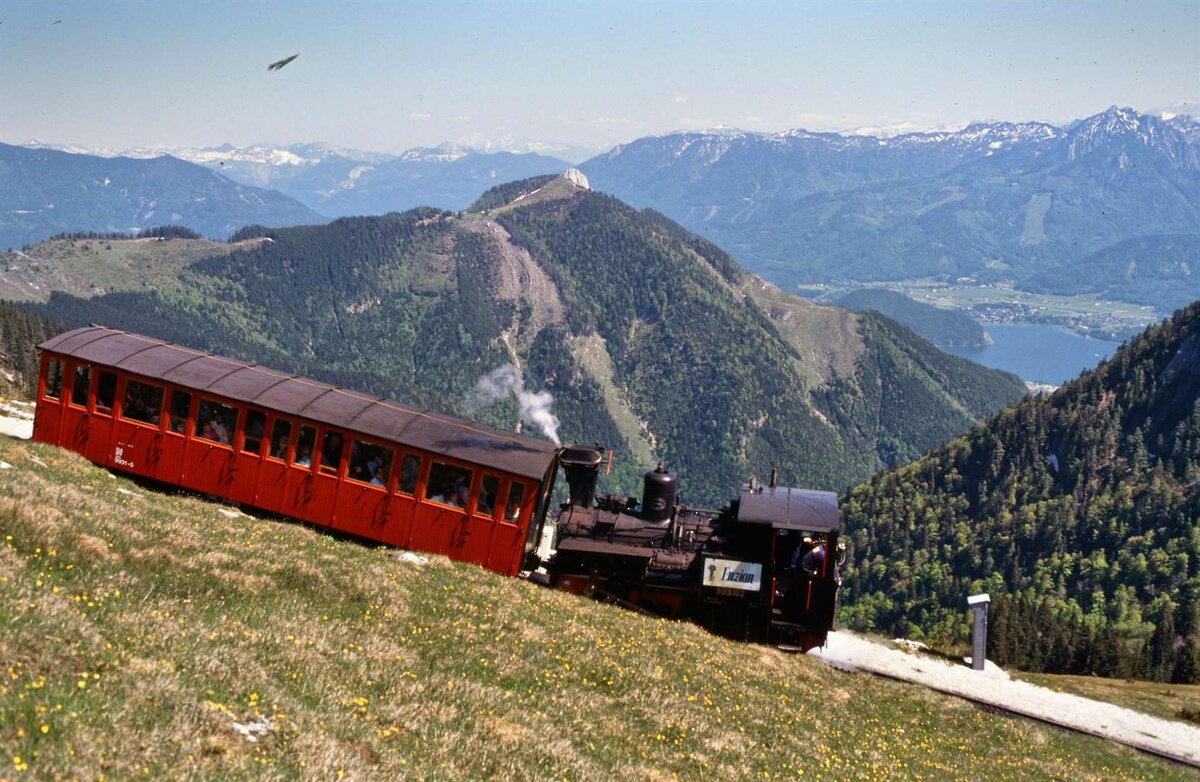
{"points": [[1041, 354]]}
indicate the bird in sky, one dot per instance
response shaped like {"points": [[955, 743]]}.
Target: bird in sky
{"points": [[280, 63]]}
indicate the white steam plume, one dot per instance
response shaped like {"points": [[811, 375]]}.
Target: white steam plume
{"points": [[506, 381]]}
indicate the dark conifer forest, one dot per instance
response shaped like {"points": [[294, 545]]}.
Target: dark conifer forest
{"points": [[1079, 512]]}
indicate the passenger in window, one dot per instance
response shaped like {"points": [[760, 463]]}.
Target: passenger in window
{"points": [[208, 431], [379, 479], [180, 402], [331, 452], [106, 390], [408, 474], [303, 456], [512, 509], [279, 447], [458, 497], [219, 430]]}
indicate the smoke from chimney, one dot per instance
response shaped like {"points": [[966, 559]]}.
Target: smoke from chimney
{"points": [[505, 381]]}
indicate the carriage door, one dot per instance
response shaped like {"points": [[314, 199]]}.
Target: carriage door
{"points": [[76, 419], [508, 540], [249, 457], [210, 456], [401, 509], [101, 424], [481, 523], [329, 470], [137, 439], [362, 498], [171, 466], [48, 416]]}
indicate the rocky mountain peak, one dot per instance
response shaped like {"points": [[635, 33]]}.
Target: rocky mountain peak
{"points": [[577, 178]]}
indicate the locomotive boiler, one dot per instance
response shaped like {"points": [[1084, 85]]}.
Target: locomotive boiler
{"points": [[763, 569]]}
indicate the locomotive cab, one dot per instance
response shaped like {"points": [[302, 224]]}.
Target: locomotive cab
{"points": [[802, 526]]}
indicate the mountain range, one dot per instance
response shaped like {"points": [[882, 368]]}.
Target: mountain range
{"points": [[1048, 208], [652, 340], [993, 201], [44, 192], [341, 182]]}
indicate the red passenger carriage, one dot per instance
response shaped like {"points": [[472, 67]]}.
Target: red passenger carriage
{"points": [[358, 464]]}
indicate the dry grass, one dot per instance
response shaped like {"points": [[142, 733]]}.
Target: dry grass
{"points": [[138, 631]]}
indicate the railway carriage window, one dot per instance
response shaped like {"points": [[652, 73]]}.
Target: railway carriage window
{"points": [[181, 402], [408, 474], [370, 463], [333, 444], [256, 426], [106, 392], [80, 386], [54, 379], [489, 492], [304, 446], [448, 484], [216, 421], [142, 402], [281, 438], [516, 495]]}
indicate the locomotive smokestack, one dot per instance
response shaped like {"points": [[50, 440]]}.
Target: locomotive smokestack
{"points": [[658, 494], [582, 465]]}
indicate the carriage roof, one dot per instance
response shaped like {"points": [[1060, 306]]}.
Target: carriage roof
{"points": [[385, 419]]}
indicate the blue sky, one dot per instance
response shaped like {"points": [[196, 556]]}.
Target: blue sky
{"points": [[390, 76]]}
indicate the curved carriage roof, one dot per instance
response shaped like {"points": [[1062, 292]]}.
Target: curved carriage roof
{"points": [[787, 508], [382, 418]]}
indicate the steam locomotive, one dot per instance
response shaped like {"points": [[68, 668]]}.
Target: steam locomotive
{"points": [[761, 569]]}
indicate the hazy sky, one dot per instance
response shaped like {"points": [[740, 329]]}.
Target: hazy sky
{"points": [[390, 76]]}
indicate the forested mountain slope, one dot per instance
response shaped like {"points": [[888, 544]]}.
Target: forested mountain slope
{"points": [[652, 340], [1081, 511]]}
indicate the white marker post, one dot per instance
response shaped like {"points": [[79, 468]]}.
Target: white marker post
{"points": [[979, 604]]}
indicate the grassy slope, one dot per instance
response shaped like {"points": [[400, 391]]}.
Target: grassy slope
{"points": [[139, 627], [88, 267]]}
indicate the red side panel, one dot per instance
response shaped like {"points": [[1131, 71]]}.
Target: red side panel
{"points": [[323, 504], [271, 492], [98, 437], [170, 463], [361, 509], [210, 468], [245, 477], [508, 548], [474, 542], [136, 449], [434, 527], [76, 429], [401, 511], [46, 420]]}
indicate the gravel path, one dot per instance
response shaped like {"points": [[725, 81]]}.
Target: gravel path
{"points": [[16, 419], [1177, 740]]}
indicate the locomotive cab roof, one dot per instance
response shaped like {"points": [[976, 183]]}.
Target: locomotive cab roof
{"points": [[783, 507]]}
